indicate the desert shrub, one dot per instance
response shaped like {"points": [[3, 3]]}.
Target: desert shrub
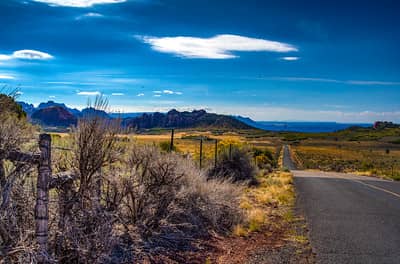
{"points": [[84, 226], [165, 200], [235, 165], [95, 144], [264, 159], [86, 237], [166, 145], [16, 203]]}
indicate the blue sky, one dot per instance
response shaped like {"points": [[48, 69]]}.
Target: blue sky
{"points": [[269, 60]]}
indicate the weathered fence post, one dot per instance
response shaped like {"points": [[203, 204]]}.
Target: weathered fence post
{"points": [[2, 173], [171, 144], [201, 152], [42, 197], [216, 153]]}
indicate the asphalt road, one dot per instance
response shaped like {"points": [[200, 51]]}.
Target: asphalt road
{"points": [[352, 219]]}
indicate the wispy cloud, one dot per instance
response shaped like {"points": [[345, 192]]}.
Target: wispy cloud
{"points": [[312, 79], [167, 92], [27, 55], [290, 58], [306, 79], [157, 95], [89, 93], [217, 47], [171, 92], [78, 3], [6, 77], [117, 94], [140, 94], [89, 15], [372, 83], [52, 96]]}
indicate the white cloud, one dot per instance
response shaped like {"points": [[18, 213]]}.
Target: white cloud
{"points": [[31, 55], [89, 93], [157, 95], [19, 93], [6, 77], [52, 96], [5, 57], [117, 94], [168, 92], [290, 58], [89, 15], [217, 47], [140, 94], [78, 3], [27, 55]]}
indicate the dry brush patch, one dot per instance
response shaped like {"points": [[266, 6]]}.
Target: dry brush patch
{"points": [[271, 228], [116, 202], [368, 159]]}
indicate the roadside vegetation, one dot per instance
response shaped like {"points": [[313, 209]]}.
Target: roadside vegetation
{"points": [[116, 199], [364, 158]]}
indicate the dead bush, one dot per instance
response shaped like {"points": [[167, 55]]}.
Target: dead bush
{"points": [[16, 187], [167, 201], [95, 141]]}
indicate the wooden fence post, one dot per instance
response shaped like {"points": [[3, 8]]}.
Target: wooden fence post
{"points": [[216, 153], [230, 151], [201, 152], [42, 197], [171, 144], [2, 173]]}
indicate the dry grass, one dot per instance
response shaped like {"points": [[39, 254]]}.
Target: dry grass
{"points": [[274, 195], [363, 158]]}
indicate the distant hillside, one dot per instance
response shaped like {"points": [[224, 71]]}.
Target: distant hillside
{"points": [[176, 119], [90, 111], [127, 115], [54, 116], [250, 122], [73, 111], [308, 127], [28, 108]]}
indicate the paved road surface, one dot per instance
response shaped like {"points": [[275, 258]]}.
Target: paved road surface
{"points": [[352, 219]]}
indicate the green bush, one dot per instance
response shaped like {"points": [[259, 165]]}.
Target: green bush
{"points": [[165, 146], [235, 165]]}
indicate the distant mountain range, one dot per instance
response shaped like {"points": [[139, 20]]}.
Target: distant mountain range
{"points": [[309, 127], [194, 119], [52, 114]]}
